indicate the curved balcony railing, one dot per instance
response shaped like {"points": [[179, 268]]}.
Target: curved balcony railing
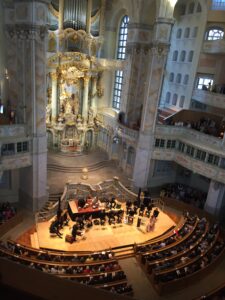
{"points": [[127, 133], [209, 98], [14, 130], [16, 161], [212, 143], [197, 166]]}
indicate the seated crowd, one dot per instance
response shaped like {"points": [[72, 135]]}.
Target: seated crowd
{"points": [[91, 269], [205, 125], [184, 193], [195, 247], [7, 211]]}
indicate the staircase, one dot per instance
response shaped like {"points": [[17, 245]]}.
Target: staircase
{"points": [[123, 252], [164, 113]]}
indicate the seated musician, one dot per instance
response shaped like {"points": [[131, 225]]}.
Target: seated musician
{"points": [[54, 228], [95, 202], [113, 202]]}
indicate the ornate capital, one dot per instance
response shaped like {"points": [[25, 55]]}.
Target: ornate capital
{"points": [[26, 32], [86, 80], [160, 49], [54, 76]]}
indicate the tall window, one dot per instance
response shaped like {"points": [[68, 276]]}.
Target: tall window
{"points": [[218, 4], [121, 54]]}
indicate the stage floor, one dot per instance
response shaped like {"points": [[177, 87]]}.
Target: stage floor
{"points": [[103, 237]]}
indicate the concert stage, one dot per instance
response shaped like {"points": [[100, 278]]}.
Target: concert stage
{"points": [[103, 237]]}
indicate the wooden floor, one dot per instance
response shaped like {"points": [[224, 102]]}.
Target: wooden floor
{"points": [[103, 237]]}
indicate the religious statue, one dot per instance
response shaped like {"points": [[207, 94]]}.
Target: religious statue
{"points": [[68, 107], [90, 116], [48, 113]]}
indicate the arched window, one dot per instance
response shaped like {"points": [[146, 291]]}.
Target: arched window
{"points": [[199, 8], [183, 56], [190, 56], [175, 55], [214, 34], [178, 78], [191, 8], [168, 95], [187, 32], [179, 33], [181, 103], [171, 77], [131, 156], [174, 101], [195, 32], [186, 79], [121, 54]]}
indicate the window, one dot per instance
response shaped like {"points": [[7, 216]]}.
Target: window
{"points": [[186, 79], [195, 32], [203, 83], [171, 144], [199, 8], [178, 78], [8, 149], [22, 147], [187, 32], [218, 4], [214, 34], [159, 143], [190, 151], [181, 146], [181, 103], [201, 155], [191, 8], [131, 156], [190, 56], [174, 101], [179, 33], [121, 54], [213, 159], [168, 95], [171, 77], [175, 55], [183, 56]]}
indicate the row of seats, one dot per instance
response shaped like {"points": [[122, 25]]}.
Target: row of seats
{"points": [[98, 273]]}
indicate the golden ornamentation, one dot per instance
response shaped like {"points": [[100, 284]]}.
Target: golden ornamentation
{"points": [[53, 11]]}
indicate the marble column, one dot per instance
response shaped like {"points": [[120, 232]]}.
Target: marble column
{"points": [[88, 19], [93, 93], [54, 97], [102, 18], [85, 99], [215, 202], [147, 48], [28, 46], [61, 14]]}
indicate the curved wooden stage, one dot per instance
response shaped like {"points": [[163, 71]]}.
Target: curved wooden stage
{"points": [[103, 237]]}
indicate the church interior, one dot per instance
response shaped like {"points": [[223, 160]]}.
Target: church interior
{"points": [[112, 149]]}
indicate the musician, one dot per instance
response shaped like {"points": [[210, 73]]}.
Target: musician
{"points": [[54, 228]]}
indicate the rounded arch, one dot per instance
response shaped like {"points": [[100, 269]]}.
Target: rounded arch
{"points": [[131, 156]]}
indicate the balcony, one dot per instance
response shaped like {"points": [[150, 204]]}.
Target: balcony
{"points": [[14, 147], [15, 161], [197, 166], [209, 98], [214, 47], [127, 133], [190, 136], [9, 131]]}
